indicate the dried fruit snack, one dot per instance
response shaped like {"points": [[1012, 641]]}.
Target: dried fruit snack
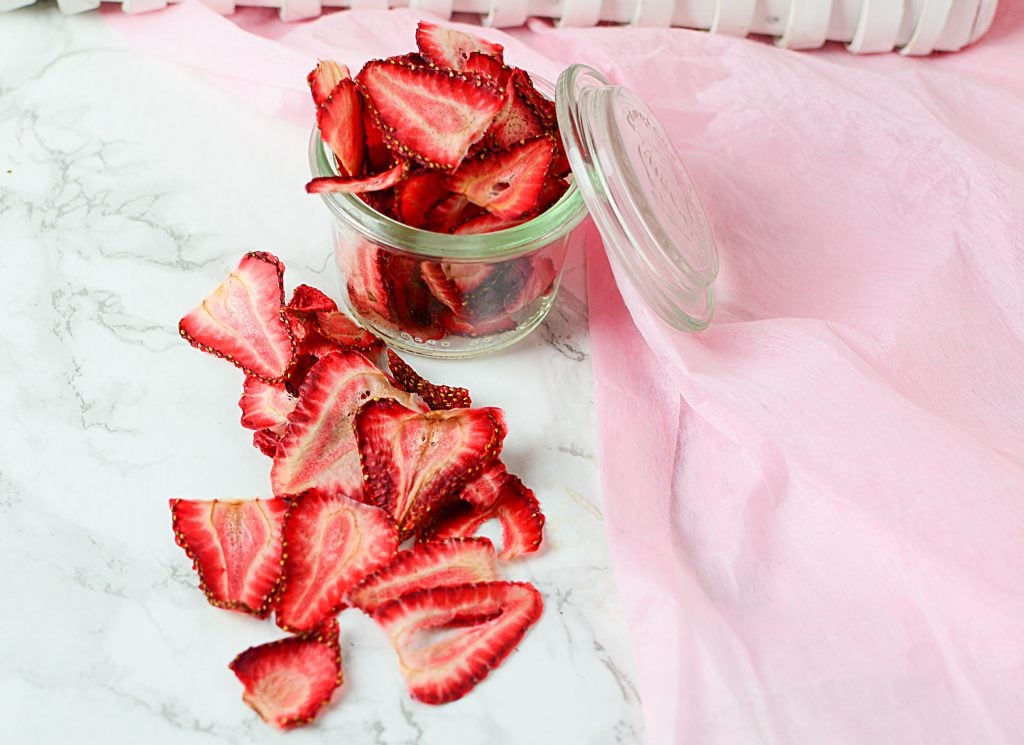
{"points": [[364, 455], [452, 140]]}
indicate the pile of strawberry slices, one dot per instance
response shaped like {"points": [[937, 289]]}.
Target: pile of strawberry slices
{"points": [[447, 139], [367, 457]]}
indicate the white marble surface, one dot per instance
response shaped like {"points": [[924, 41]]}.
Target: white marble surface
{"points": [[128, 189]]}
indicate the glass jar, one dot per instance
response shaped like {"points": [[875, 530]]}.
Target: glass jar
{"points": [[445, 295]]}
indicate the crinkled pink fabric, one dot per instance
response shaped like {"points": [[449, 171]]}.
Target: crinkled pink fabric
{"points": [[816, 507]]}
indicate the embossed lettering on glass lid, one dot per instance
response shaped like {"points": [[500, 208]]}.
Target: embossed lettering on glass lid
{"points": [[639, 195]]}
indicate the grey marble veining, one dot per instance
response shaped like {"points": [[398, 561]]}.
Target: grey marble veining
{"points": [[128, 189]]}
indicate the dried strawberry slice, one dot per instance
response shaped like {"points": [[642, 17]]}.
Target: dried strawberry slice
{"points": [[441, 285], [485, 64], [517, 509], [417, 194], [457, 561], [366, 288], [318, 450], [342, 331], [340, 119], [235, 547], [449, 212], [483, 491], [553, 189], [414, 462], [265, 405], [378, 155], [427, 114], [266, 441], [307, 299], [331, 544], [540, 275], [446, 47], [324, 78], [243, 320], [437, 397], [507, 184], [488, 223], [516, 122], [346, 185], [412, 305], [473, 328], [446, 670], [289, 681], [542, 107]]}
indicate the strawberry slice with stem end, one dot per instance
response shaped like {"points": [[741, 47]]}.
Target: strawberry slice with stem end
{"points": [[414, 462], [417, 194], [448, 48], [506, 184], [517, 509], [437, 397], [340, 119], [347, 185], [324, 78], [330, 544], [265, 405], [429, 115], [243, 320], [289, 681], [307, 299], [266, 441], [456, 561], [235, 547], [319, 449], [490, 619]]}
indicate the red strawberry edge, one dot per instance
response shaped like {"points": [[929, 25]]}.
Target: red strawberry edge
{"points": [[288, 682], [437, 396]]}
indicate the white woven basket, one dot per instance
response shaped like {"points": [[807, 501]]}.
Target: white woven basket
{"points": [[915, 27]]}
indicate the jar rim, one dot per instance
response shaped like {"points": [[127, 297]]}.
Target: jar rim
{"points": [[545, 228]]}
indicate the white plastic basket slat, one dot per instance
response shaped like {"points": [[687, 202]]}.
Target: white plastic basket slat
{"points": [[914, 27]]}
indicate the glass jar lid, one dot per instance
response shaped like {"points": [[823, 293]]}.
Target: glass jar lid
{"points": [[639, 195]]}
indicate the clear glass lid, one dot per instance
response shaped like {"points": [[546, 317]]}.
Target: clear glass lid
{"points": [[639, 195]]}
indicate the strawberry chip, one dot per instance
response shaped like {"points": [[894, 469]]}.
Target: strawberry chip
{"points": [[265, 405], [489, 620], [516, 509], [436, 396], [340, 119], [414, 462], [332, 542], [324, 78], [244, 322], [506, 184], [446, 47], [235, 547], [429, 115], [288, 682], [455, 561], [318, 449]]}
